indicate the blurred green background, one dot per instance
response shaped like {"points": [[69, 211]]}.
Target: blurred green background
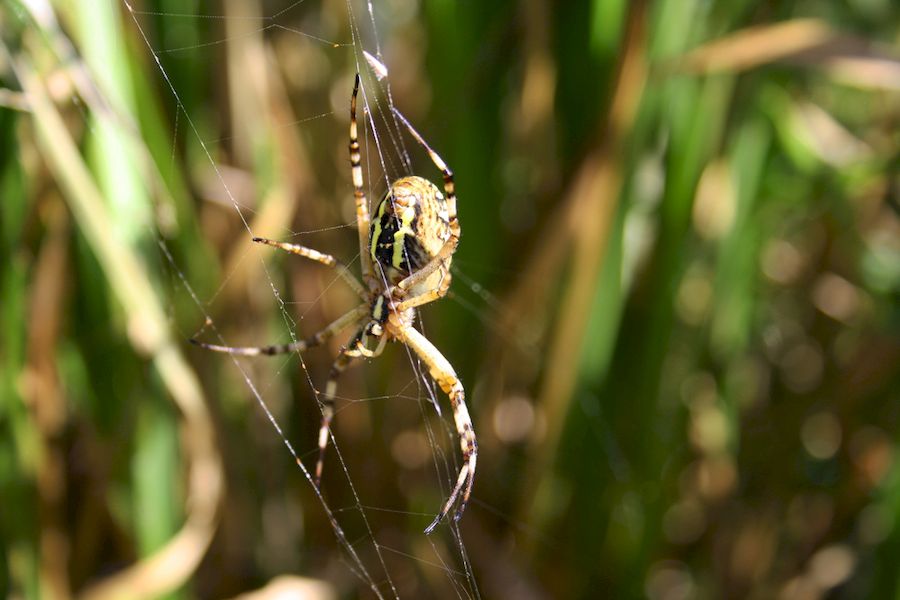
{"points": [[675, 306]]}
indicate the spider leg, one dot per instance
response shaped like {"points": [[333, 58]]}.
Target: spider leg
{"points": [[316, 339], [337, 367], [433, 265], [449, 185], [359, 194], [319, 257], [427, 296], [442, 372]]}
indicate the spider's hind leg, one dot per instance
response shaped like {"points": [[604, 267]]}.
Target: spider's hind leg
{"points": [[327, 403]]}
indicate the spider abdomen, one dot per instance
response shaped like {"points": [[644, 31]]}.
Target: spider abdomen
{"points": [[409, 228]]}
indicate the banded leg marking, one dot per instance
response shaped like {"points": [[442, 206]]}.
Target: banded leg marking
{"points": [[319, 257], [359, 194], [338, 367], [316, 339], [449, 185]]}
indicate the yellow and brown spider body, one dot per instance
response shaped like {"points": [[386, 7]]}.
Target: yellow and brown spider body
{"points": [[405, 256], [410, 227]]}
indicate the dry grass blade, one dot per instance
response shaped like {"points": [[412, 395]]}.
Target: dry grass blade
{"points": [[851, 60], [45, 396], [590, 207], [866, 72], [291, 586], [756, 46], [13, 100], [169, 567], [293, 182]]}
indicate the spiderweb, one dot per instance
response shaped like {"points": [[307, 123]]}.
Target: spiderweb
{"points": [[386, 563]]}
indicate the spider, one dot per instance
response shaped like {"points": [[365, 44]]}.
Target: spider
{"points": [[410, 242]]}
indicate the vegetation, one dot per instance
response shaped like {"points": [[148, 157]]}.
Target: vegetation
{"points": [[675, 302]]}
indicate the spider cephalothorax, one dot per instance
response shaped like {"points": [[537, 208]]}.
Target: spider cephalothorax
{"points": [[405, 256]]}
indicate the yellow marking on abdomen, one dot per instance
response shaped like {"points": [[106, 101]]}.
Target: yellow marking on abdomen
{"points": [[376, 229], [408, 215]]}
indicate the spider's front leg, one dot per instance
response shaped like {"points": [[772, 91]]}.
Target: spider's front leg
{"points": [[363, 220], [442, 372], [319, 257]]}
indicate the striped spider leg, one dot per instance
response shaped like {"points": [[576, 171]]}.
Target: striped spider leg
{"points": [[353, 317]]}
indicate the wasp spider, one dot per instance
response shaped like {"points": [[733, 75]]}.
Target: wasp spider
{"points": [[405, 255]]}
